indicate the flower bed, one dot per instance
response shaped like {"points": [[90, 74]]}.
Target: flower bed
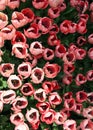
{"points": [[46, 65]]}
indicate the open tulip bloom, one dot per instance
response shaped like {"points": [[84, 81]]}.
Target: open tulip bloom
{"points": [[46, 64]]}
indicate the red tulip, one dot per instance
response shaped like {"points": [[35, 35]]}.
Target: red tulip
{"points": [[27, 89], [60, 50], [81, 96], [81, 27]]}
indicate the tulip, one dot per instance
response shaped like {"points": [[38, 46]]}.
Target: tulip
{"points": [[14, 82], [13, 4], [3, 20], [68, 68], [40, 95], [22, 126], [17, 118], [37, 75], [55, 3], [6, 69], [81, 41], [27, 89], [2, 5], [54, 29], [90, 38], [41, 4], [90, 53], [1, 106], [51, 70], [48, 54], [90, 97], [67, 79], [86, 124], [60, 50], [1, 41], [81, 27], [88, 112], [7, 96], [80, 53], [81, 96], [69, 125]]}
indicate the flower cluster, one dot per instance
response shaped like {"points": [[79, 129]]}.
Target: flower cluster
{"points": [[46, 69]]}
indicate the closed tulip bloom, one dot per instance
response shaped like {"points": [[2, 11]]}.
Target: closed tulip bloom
{"points": [[18, 38], [3, 20], [29, 14], [32, 116], [22, 126], [18, 19], [24, 69], [6, 69], [32, 31], [27, 89], [40, 95], [14, 82], [51, 70], [20, 50], [81, 96], [17, 118], [7, 96], [41, 4], [37, 75], [8, 32], [69, 124], [19, 103]]}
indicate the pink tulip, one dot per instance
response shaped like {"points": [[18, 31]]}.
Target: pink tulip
{"points": [[81, 96], [37, 75], [54, 29], [67, 79], [89, 75], [40, 95], [91, 6], [29, 14], [60, 118], [3, 20], [36, 48], [68, 68], [24, 69], [7, 96], [6, 69], [55, 3], [90, 53], [80, 53], [18, 38], [90, 97], [69, 125], [88, 112], [79, 108], [18, 19], [41, 4], [90, 38], [1, 41], [17, 118], [20, 50], [81, 41], [8, 32], [47, 86], [27, 89], [32, 116], [68, 95], [43, 107], [54, 12], [13, 4], [2, 4], [51, 70], [33, 31], [19, 103], [81, 27], [48, 54], [22, 126], [86, 124], [54, 98], [48, 117], [70, 104], [14, 82], [80, 79]]}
